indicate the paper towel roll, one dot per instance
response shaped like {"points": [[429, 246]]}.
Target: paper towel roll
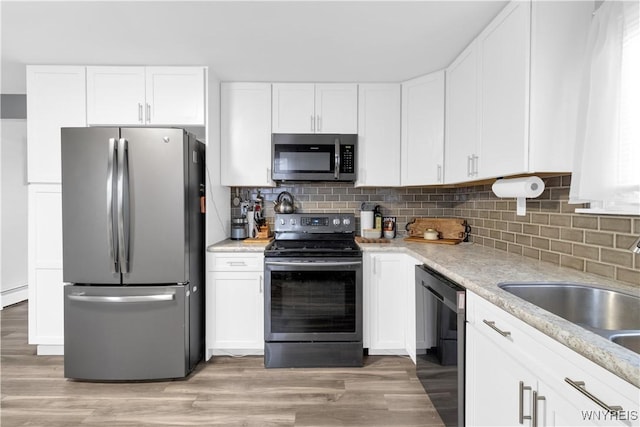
{"points": [[530, 186], [366, 220]]}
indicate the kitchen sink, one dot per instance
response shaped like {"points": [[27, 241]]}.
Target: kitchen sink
{"points": [[630, 341], [612, 314]]}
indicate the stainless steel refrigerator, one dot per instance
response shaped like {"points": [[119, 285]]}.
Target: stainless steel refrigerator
{"points": [[133, 252]]}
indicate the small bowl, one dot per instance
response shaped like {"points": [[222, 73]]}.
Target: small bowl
{"points": [[431, 234], [371, 233]]}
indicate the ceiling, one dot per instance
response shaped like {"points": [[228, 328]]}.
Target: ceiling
{"points": [[364, 41]]}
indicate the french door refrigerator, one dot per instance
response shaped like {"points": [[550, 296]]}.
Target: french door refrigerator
{"points": [[133, 252]]}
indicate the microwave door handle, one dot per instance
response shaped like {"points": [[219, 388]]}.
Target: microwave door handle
{"points": [[336, 172]]}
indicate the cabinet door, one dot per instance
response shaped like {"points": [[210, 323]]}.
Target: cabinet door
{"points": [[493, 377], [46, 299], [387, 304], [175, 96], [461, 134], [379, 135], [48, 89], [235, 311], [115, 95], [293, 108], [336, 108], [246, 134], [504, 48], [422, 139]]}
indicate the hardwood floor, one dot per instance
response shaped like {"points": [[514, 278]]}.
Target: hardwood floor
{"points": [[223, 392]]}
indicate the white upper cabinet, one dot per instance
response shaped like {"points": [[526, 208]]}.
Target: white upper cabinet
{"points": [[422, 138], [512, 95], [461, 135], [379, 135], [115, 95], [175, 95], [560, 31], [504, 75], [315, 108], [245, 134], [145, 96], [55, 99]]}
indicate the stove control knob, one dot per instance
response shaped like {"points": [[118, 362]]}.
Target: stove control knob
{"points": [[336, 221], [346, 221], [281, 221], [292, 221]]}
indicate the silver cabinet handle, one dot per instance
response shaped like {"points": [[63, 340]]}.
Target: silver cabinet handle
{"points": [[521, 415], [148, 113], [312, 124], [469, 161], [493, 326], [534, 410], [237, 263], [318, 123], [139, 112], [581, 387], [439, 178], [121, 299], [268, 175], [261, 280], [475, 165], [110, 167]]}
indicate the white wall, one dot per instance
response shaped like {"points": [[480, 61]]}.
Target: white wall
{"points": [[13, 211], [218, 197]]}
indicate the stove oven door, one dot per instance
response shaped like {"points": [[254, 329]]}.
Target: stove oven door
{"points": [[313, 300]]}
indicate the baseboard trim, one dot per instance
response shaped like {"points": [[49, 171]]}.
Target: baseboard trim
{"points": [[14, 296]]}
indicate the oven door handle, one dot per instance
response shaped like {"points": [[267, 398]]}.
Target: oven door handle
{"points": [[313, 263]]}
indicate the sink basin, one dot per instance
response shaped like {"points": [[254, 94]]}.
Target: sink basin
{"points": [[631, 341], [612, 314]]}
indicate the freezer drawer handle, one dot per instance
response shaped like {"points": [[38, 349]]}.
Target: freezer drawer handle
{"points": [[120, 299]]}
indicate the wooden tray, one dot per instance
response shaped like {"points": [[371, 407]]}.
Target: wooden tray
{"points": [[361, 239], [257, 240], [448, 228], [440, 241]]}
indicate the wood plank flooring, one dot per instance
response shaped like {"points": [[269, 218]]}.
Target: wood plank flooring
{"points": [[225, 391]]}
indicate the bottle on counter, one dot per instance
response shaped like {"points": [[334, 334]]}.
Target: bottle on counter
{"points": [[377, 218]]}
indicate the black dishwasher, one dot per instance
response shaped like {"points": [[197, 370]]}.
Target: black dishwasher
{"points": [[440, 346]]}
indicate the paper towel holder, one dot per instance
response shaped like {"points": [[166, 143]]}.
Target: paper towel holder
{"points": [[521, 188]]}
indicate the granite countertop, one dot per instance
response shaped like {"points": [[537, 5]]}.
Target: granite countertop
{"points": [[229, 245], [480, 269]]}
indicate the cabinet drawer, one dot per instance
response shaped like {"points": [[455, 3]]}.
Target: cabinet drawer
{"points": [[235, 261], [496, 323]]}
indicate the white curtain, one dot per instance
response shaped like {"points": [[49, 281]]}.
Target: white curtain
{"points": [[606, 170]]}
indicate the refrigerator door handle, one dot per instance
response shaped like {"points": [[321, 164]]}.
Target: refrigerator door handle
{"points": [[121, 299], [123, 244], [110, 165]]}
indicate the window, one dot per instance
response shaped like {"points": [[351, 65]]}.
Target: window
{"points": [[606, 171]]}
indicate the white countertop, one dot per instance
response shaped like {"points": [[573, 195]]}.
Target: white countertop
{"points": [[481, 269]]}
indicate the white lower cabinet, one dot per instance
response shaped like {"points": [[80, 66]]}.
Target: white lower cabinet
{"points": [[44, 265], [516, 375], [235, 304], [385, 303]]}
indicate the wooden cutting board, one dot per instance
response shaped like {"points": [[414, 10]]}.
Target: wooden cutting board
{"points": [[451, 230]]}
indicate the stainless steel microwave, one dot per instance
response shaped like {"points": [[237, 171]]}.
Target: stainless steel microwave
{"points": [[313, 157]]}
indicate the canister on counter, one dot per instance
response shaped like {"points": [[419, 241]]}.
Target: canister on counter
{"points": [[389, 227]]}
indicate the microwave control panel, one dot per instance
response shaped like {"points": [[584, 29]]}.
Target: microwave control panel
{"points": [[347, 164]]}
